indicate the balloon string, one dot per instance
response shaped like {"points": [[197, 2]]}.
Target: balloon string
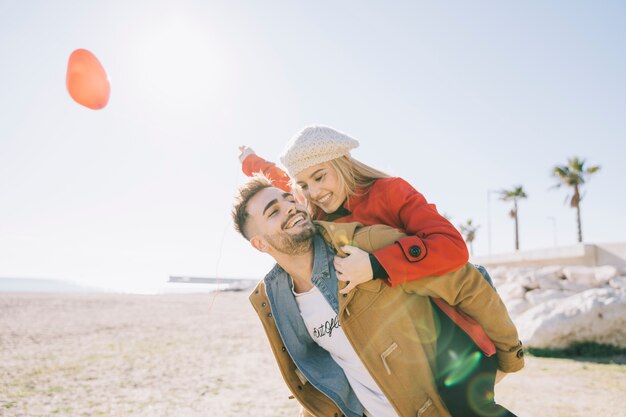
{"points": [[217, 265], [236, 168]]}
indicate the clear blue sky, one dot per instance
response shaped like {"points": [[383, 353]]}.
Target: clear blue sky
{"points": [[456, 97]]}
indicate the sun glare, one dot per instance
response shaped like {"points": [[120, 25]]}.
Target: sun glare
{"points": [[176, 59]]}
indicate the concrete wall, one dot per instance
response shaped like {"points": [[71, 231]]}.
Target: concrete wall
{"points": [[579, 254], [611, 254]]}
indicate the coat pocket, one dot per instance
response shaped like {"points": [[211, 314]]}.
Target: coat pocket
{"points": [[383, 356], [426, 409]]}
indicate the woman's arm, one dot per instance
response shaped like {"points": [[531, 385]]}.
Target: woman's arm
{"points": [[433, 246], [252, 163]]}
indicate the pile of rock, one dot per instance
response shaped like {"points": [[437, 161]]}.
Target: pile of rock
{"points": [[556, 306]]}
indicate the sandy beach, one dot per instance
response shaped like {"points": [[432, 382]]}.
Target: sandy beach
{"points": [[206, 355]]}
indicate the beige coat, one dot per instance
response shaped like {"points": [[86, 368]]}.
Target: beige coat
{"points": [[398, 350]]}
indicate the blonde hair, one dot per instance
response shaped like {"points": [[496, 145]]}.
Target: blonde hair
{"points": [[355, 178]]}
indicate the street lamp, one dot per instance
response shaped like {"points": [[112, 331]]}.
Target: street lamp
{"points": [[489, 192]]}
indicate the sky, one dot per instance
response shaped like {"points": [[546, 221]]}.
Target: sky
{"points": [[461, 99]]}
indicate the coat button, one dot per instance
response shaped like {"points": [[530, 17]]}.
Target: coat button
{"points": [[415, 251], [520, 353], [263, 304], [269, 315], [283, 348]]}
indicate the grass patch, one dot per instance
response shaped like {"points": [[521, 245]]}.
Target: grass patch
{"points": [[580, 350]]}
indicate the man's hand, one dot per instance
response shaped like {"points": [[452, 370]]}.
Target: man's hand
{"points": [[355, 268], [500, 375], [244, 152]]}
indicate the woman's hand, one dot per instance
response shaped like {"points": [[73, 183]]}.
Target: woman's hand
{"points": [[356, 267], [245, 151]]}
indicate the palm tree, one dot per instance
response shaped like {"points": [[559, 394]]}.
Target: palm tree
{"points": [[468, 230], [517, 193], [574, 175]]}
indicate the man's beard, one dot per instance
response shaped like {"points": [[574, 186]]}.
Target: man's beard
{"points": [[297, 244]]}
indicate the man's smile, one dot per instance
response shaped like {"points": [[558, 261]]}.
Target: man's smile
{"points": [[294, 220]]}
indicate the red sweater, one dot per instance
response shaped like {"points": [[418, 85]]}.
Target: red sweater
{"points": [[433, 247]]}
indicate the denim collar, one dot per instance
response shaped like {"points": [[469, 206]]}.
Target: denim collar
{"points": [[324, 276]]}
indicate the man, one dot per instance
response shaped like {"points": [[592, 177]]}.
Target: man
{"points": [[377, 351]]}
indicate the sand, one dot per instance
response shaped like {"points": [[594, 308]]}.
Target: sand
{"points": [[206, 355]]}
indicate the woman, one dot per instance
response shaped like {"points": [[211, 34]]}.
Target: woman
{"points": [[339, 188]]}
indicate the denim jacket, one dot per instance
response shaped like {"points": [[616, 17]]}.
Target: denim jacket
{"points": [[313, 361]]}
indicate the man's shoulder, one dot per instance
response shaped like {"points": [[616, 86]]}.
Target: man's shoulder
{"points": [[337, 234], [274, 273], [271, 275], [259, 292], [368, 238]]}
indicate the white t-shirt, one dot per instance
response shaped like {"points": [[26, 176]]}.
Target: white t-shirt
{"points": [[322, 324]]}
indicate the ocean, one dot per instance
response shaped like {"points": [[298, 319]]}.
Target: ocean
{"points": [[42, 285]]}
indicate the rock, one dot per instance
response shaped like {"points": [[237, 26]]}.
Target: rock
{"points": [[548, 283], [605, 273], [517, 307], [618, 283], [551, 271], [511, 291], [573, 287], [541, 296], [516, 274], [498, 272], [581, 275], [527, 281], [596, 315]]}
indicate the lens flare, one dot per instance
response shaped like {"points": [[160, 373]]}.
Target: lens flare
{"points": [[460, 367], [481, 396]]}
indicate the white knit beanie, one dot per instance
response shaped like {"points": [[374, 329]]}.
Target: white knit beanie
{"points": [[314, 145]]}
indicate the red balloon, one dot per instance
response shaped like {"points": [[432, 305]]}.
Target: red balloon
{"points": [[87, 81]]}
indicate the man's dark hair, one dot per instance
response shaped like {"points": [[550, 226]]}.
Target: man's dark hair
{"points": [[248, 190]]}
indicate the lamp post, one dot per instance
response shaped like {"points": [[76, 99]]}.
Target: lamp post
{"points": [[489, 192]]}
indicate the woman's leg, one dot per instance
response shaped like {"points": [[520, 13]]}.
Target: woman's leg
{"points": [[465, 376]]}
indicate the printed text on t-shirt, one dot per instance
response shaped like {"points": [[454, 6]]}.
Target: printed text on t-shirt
{"points": [[326, 328]]}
